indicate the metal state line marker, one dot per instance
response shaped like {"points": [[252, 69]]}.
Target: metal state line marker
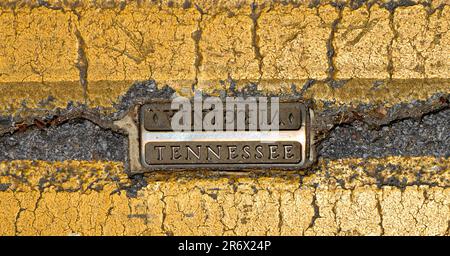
{"points": [[154, 146]]}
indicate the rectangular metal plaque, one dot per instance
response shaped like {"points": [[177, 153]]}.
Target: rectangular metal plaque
{"points": [[289, 147]]}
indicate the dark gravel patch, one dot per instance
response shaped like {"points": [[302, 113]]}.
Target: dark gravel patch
{"points": [[84, 140], [428, 136], [76, 139]]}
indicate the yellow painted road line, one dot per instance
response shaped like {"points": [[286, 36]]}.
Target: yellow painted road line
{"points": [[96, 52], [341, 197]]}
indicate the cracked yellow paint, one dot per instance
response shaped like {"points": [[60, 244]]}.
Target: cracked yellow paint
{"points": [[38, 45], [135, 44], [293, 42], [339, 197], [226, 48], [421, 47], [67, 175], [361, 43], [24, 99], [92, 52], [387, 93], [38, 53]]}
